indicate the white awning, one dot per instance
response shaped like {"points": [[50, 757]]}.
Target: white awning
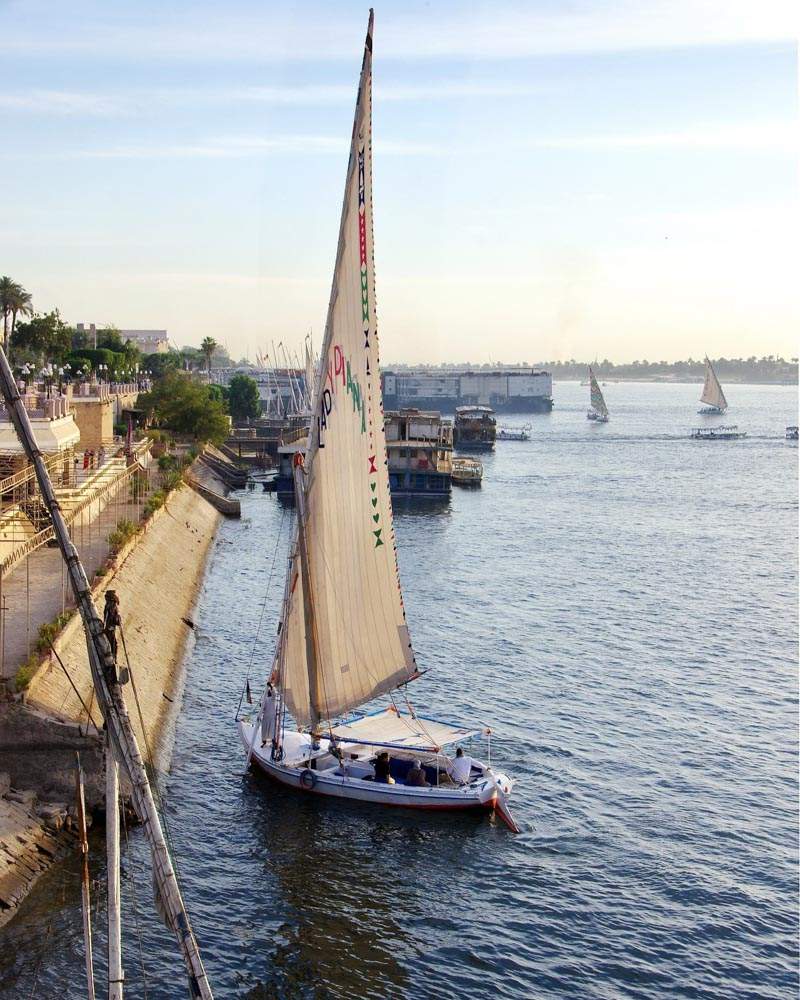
{"points": [[392, 728]]}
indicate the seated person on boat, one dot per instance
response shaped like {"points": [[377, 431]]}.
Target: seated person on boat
{"points": [[416, 776], [461, 768], [383, 769]]}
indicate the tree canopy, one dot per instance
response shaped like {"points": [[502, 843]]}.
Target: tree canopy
{"points": [[243, 399], [182, 404], [45, 338]]}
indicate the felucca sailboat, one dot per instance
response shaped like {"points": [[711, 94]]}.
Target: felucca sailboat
{"points": [[343, 640], [598, 410], [712, 394]]}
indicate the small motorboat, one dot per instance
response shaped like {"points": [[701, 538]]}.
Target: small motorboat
{"points": [[515, 433], [791, 432], [466, 471], [730, 433]]}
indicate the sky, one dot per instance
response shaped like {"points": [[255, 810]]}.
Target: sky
{"points": [[553, 180]]}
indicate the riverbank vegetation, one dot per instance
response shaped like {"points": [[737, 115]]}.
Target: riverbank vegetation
{"points": [[180, 403]]}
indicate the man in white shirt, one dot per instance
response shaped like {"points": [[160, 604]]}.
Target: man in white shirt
{"points": [[461, 767]]}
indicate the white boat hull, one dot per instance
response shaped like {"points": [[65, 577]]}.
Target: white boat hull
{"points": [[481, 794]]}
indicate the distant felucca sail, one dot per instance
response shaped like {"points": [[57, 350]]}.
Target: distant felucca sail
{"points": [[712, 394], [599, 410]]}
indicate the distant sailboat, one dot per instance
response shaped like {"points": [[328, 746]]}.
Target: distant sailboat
{"points": [[712, 394], [599, 410], [343, 639]]}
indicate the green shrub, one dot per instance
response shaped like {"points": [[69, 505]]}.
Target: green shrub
{"points": [[122, 534], [167, 462], [24, 674], [49, 631], [171, 481], [155, 501]]}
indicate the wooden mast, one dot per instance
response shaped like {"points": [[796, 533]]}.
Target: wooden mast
{"points": [[86, 902], [109, 697], [116, 976], [308, 603]]}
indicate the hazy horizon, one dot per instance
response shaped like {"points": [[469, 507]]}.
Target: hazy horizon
{"points": [[616, 181]]}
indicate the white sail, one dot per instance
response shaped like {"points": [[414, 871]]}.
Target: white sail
{"points": [[712, 394], [359, 645], [596, 396]]}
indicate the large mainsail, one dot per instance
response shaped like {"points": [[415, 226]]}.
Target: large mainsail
{"points": [[712, 394], [596, 396], [358, 646]]}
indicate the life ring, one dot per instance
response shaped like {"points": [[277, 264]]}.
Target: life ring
{"points": [[308, 779]]}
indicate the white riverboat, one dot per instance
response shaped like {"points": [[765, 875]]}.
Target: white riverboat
{"points": [[343, 640], [729, 433], [712, 394], [522, 433]]}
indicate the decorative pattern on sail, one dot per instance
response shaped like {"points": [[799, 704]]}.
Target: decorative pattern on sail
{"points": [[361, 643], [596, 396], [712, 394]]}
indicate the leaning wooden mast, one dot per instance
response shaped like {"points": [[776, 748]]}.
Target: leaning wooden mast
{"points": [[109, 697]]}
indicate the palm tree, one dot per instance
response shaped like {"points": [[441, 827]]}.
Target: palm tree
{"points": [[7, 291], [207, 349], [22, 305], [14, 301]]}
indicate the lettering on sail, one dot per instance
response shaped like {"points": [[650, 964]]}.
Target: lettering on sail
{"points": [[339, 379]]}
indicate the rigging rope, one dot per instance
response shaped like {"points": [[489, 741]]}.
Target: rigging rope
{"points": [[257, 635]]}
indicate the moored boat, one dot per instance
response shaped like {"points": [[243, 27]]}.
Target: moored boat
{"points": [[791, 432], [475, 428], [467, 471], [343, 640]]}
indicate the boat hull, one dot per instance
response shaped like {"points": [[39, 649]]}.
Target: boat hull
{"points": [[481, 796]]}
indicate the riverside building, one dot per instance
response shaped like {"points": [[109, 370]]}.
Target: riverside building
{"points": [[505, 390]]}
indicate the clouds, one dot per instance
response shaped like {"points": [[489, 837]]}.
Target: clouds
{"points": [[414, 30]]}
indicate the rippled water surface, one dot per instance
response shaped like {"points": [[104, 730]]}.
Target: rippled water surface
{"points": [[621, 604]]}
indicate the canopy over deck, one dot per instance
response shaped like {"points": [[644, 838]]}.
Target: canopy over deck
{"points": [[391, 728]]}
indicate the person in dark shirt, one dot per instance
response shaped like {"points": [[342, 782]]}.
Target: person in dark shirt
{"points": [[416, 776], [382, 769], [111, 620]]}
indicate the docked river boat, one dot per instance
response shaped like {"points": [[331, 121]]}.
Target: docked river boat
{"points": [[467, 471], [730, 433], [343, 639], [475, 428]]}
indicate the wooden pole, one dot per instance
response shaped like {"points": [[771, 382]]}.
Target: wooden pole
{"points": [[116, 976], [110, 699], [85, 900]]}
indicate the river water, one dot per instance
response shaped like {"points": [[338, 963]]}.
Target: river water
{"points": [[620, 602]]}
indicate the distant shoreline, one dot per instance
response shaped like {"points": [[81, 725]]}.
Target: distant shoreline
{"points": [[661, 380]]}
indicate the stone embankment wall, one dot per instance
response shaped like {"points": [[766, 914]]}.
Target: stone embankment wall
{"points": [[157, 583], [157, 578]]}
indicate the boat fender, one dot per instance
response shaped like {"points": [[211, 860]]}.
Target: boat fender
{"points": [[308, 779]]}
